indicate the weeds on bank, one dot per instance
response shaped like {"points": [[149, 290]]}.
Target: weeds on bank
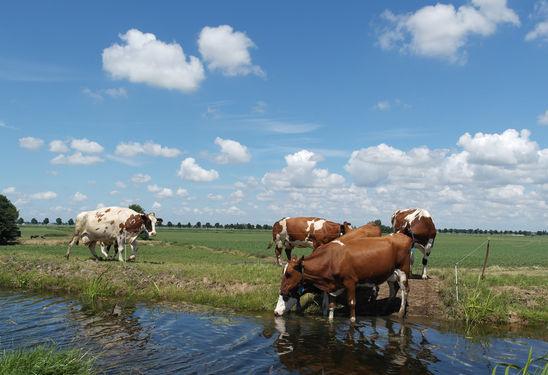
{"points": [[46, 360], [96, 288], [526, 369]]}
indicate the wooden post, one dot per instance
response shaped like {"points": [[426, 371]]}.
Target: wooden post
{"points": [[485, 260]]}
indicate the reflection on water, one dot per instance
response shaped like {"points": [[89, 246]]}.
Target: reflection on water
{"points": [[140, 339]]}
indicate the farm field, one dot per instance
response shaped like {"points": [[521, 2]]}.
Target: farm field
{"points": [[233, 269]]}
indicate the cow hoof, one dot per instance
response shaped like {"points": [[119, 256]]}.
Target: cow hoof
{"points": [[131, 258], [425, 277], [352, 320]]}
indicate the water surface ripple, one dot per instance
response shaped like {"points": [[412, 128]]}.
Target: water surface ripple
{"points": [[159, 340]]}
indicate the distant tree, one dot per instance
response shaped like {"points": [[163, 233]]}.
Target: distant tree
{"points": [[45, 221], [8, 221], [136, 207], [169, 224], [179, 225], [34, 221], [208, 225], [70, 221], [58, 221], [20, 221], [188, 225], [198, 224], [217, 225]]}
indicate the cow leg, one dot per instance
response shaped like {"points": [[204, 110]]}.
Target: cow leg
{"points": [[404, 286], [331, 306], [104, 250], [92, 249], [425, 266], [278, 251], [393, 285], [325, 304], [133, 250], [120, 244], [288, 249], [71, 244], [351, 294]]}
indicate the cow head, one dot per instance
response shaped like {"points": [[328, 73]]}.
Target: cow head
{"points": [[289, 289], [346, 227], [149, 221]]}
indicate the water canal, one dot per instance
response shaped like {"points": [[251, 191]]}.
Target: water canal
{"points": [[157, 340]]}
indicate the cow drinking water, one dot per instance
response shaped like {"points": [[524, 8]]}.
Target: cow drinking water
{"points": [[340, 265], [108, 225]]}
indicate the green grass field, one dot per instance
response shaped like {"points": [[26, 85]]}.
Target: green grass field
{"points": [[233, 268]]}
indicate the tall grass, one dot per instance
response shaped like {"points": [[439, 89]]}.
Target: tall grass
{"points": [[527, 368], [46, 360], [96, 288]]}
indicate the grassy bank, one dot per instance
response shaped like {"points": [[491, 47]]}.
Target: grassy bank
{"points": [[233, 269], [505, 295], [45, 360]]}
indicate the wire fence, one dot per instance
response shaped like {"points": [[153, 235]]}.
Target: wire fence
{"points": [[487, 241]]}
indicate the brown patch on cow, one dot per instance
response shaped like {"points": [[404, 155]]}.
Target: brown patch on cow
{"points": [[134, 223], [107, 210], [99, 220], [112, 222]]}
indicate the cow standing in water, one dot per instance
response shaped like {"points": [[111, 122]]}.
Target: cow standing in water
{"points": [[108, 225], [417, 224], [341, 265], [291, 232]]}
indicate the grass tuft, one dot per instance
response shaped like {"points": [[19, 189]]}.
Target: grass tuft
{"points": [[46, 360]]}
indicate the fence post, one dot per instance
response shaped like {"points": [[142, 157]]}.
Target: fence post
{"points": [[456, 284], [485, 260]]}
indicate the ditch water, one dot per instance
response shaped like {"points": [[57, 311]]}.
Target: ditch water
{"points": [[141, 339]]}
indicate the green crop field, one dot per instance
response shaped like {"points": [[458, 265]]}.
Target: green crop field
{"points": [[505, 250], [233, 268]]}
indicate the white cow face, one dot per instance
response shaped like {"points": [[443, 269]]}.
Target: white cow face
{"points": [[284, 305], [150, 223]]}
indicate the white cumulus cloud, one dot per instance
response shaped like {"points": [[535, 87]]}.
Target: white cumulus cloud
{"points": [[190, 170], [227, 50], [142, 58], [542, 119], [511, 147], [131, 149], [87, 146], [301, 171], [45, 195], [140, 178], [79, 197], [160, 192], [30, 143], [441, 30], [76, 159], [9, 190], [58, 146], [231, 152]]}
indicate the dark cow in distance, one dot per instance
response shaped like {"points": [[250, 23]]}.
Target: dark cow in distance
{"points": [[417, 223], [339, 265], [291, 232]]}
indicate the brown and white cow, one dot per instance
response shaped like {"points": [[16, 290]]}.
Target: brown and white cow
{"points": [[417, 223], [291, 232], [112, 225], [339, 265]]}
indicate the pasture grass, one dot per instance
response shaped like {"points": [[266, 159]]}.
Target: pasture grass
{"points": [[233, 269], [517, 296], [46, 360]]}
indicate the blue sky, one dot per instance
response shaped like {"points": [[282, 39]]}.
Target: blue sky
{"points": [[249, 112]]}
